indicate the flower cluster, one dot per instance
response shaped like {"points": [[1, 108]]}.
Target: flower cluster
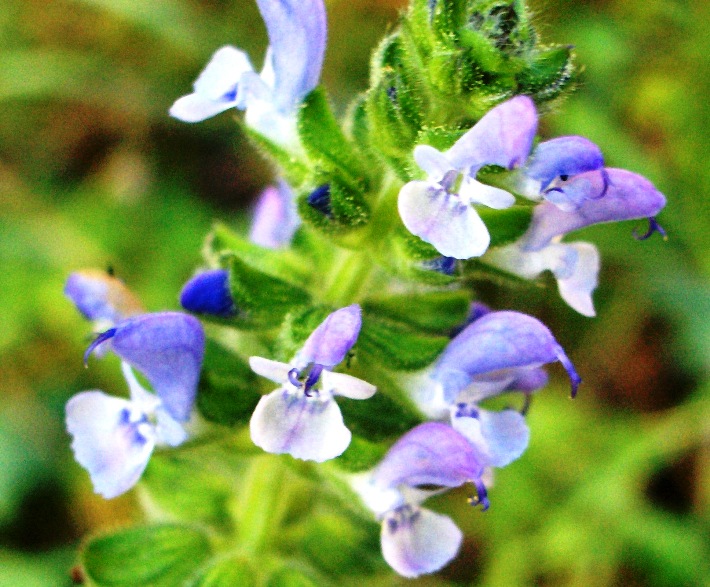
{"points": [[325, 286]]}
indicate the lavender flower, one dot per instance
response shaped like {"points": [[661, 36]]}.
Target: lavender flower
{"points": [[113, 438], [275, 217], [415, 540], [297, 35], [439, 209], [301, 418]]}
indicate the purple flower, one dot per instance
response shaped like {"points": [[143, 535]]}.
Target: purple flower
{"points": [[167, 348], [415, 540], [113, 438], [208, 293], [297, 35], [498, 340], [275, 217], [605, 195], [101, 298], [301, 417], [439, 209]]}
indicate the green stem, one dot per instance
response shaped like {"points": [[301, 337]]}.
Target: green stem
{"points": [[263, 503]]}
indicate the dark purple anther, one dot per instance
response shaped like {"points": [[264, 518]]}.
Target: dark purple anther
{"points": [[313, 377], [293, 376]]}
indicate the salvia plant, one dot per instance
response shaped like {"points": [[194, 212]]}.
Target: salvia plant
{"points": [[342, 333]]}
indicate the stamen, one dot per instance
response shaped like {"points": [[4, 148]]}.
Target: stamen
{"points": [[574, 377], [101, 338], [482, 496], [312, 378], [450, 180], [293, 377], [653, 226]]}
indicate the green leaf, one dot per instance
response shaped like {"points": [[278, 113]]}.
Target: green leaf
{"points": [[324, 141], [262, 300], [231, 572], [282, 262], [506, 226], [437, 311], [227, 391], [163, 555], [396, 345]]}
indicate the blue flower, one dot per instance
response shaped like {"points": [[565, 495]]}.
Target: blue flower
{"points": [[301, 417], [439, 209], [605, 195], [275, 218], [415, 540], [497, 352], [113, 438], [167, 348], [297, 36], [208, 293], [101, 298]]}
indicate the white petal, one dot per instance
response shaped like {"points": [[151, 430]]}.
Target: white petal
{"points": [[273, 370], [168, 430], [454, 229], [112, 449], [346, 385], [417, 541], [308, 428], [432, 161], [476, 192], [222, 73], [501, 437], [196, 108], [576, 288]]}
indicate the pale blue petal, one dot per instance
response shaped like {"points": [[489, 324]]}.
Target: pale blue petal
{"points": [[417, 541], [274, 370], [167, 348], [101, 297], [476, 192], [275, 218], [568, 194], [346, 385], [297, 36], [628, 196], [563, 156], [499, 340], [222, 74], [501, 437], [454, 228], [335, 336], [110, 440], [502, 137], [196, 108], [432, 161], [577, 283], [308, 428], [167, 430], [430, 454]]}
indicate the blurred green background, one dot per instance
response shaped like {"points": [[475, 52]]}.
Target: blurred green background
{"points": [[615, 488]]}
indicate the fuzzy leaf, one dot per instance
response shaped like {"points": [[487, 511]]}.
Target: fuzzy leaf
{"points": [[437, 312], [263, 300], [226, 393], [324, 141], [550, 73], [293, 169], [161, 555], [398, 346]]}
